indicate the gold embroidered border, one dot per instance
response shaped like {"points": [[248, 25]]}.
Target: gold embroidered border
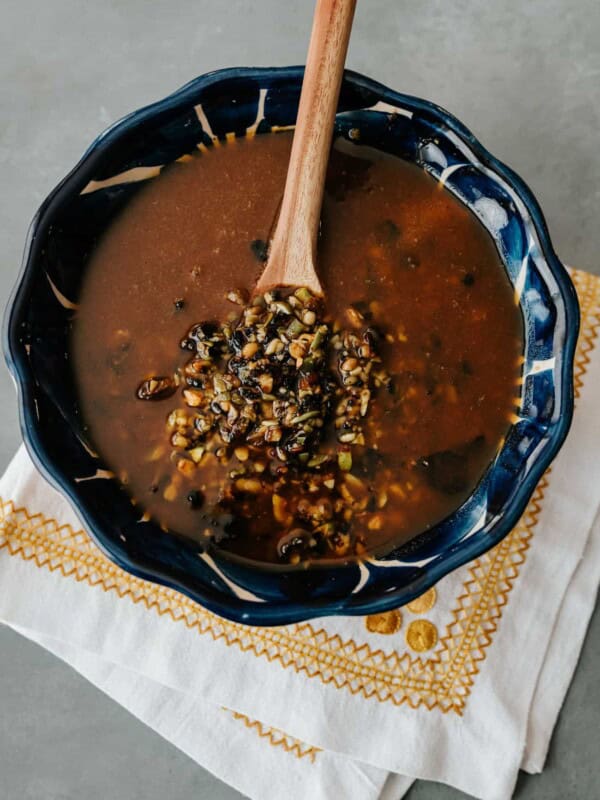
{"points": [[435, 682], [443, 680], [278, 738], [588, 293]]}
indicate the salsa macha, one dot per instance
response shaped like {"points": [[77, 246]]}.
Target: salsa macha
{"points": [[284, 427]]}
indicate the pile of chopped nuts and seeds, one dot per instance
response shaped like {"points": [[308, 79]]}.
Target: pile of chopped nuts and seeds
{"points": [[286, 391]]}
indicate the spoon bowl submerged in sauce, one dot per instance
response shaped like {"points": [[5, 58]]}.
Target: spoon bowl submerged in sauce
{"points": [[74, 223]]}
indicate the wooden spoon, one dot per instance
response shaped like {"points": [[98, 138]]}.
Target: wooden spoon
{"points": [[291, 260]]}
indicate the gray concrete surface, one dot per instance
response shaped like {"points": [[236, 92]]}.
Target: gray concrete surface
{"points": [[524, 76]]}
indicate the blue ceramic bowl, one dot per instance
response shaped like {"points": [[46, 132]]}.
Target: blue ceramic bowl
{"points": [[63, 234]]}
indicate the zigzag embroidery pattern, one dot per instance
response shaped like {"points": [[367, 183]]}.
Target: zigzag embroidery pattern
{"points": [[278, 738]]}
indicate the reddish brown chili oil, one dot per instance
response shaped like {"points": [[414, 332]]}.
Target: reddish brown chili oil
{"points": [[395, 245]]}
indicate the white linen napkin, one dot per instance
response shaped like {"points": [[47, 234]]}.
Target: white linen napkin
{"points": [[478, 666]]}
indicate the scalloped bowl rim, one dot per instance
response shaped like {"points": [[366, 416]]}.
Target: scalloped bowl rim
{"points": [[282, 613]]}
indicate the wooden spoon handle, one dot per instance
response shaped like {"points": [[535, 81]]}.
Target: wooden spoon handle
{"points": [[293, 249]]}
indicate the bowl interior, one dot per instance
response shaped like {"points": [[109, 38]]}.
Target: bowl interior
{"points": [[258, 101]]}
